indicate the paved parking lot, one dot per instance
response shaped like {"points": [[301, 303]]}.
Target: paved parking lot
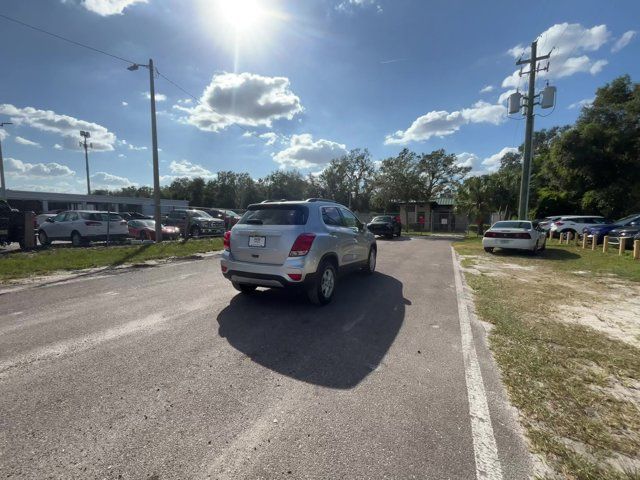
{"points": [[167, 372]]}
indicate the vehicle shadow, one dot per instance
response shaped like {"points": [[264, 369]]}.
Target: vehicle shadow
{"points": [[334, 346]]}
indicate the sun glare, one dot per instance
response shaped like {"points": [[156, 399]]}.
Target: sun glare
{"points": [[242, 15]]}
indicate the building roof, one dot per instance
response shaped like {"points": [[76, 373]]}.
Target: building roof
{"points": [[437, 200]]}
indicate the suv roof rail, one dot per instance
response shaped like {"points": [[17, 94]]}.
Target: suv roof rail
{"points": [[273, 201], [320, 200]]}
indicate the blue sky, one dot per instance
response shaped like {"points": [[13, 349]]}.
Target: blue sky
{"points": [[286, 84]]}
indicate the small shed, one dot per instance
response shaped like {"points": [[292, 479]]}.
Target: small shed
{"points": [[436, 215]]}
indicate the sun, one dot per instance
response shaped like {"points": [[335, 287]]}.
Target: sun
{"points": [[242, 15]]}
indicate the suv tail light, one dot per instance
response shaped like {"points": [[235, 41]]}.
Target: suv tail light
{"points": [[558, 224], [302, 245], [227, 240]]}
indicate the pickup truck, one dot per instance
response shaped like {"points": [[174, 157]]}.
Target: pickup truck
{"points": [[194, 222], [11, 225]]}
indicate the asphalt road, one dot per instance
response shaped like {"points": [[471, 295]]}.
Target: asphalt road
{"points": [[167, 372]]}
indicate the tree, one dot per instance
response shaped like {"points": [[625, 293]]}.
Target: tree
{"points": [[280, 184], [439, 174], [398, 180], [350, 179], [474, 199]]}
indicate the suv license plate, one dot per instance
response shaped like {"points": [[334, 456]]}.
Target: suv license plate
{"points": [[257, 241]]}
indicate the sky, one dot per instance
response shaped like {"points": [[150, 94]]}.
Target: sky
{"points": [[259, 85]]}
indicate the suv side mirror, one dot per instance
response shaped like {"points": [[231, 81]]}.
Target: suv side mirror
{"points": [[50, 219]]}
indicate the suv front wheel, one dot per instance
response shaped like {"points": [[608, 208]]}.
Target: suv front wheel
{"points": [[322, 289]]}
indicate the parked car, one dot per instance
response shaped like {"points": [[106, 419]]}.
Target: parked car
{"points": [[134, 216], [297, 244], [617, 234], [516, 235], [82, 227], [607, 227], [11, 225], [194, 223], [146, 230], [229, 217], [385, 225], [546, 222], [575, 224]]}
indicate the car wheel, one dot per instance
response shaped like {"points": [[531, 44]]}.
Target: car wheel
{"points": [[321, 291], [244, 287], [44, 238], [371, 261], [76, 239], [488, 249], [195, 231], [399, 234], [544, 245]]}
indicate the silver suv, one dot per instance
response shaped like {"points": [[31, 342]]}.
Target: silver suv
{"points": [[297, 244]]}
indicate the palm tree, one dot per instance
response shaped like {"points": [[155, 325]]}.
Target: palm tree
{"points": [[474, 199]]}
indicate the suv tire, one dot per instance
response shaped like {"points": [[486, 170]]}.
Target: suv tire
{"points": [[244, 287], [44, 238], [322, 290], [195, 231], [370, 267], [488, 249], [76, 239]]}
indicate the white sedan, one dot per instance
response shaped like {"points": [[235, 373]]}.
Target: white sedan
{"points": [[516, 235]]}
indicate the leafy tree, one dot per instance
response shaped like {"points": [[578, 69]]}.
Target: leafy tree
{"points": [[439, 174], [398, 180], [350, 179]]}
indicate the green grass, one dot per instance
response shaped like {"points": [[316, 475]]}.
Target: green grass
{"points": [[560, 375], [25, 264], [566, 258]]}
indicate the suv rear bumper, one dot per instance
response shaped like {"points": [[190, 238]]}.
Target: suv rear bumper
{"points": [[265, 275]]}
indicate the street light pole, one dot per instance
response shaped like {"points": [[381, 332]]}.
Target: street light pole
{"points": [[154, 143], [3, 187], [86, 135]]}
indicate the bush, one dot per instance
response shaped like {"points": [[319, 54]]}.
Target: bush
{"points": [[474, 228]]}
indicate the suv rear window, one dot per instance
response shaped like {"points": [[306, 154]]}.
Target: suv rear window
{"points": [[265, 214]]}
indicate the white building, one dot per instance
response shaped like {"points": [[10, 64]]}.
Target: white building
{"points": [[41, 202]]}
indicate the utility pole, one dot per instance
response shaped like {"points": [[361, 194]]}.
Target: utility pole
{"points": [[523, 205], [154, 143], [3, 187], [86, 146]]}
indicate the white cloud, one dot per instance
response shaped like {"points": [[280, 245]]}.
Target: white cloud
{"points": [[63, 125], [185, 101], [125, 104], [245, 99], [122, 155], [17, 168], [130, 146], [586, 102], [466, 159], [160, 97], [492, 163], [487, 89], [270, 137], [349, 6], [184, 168], [109, 7], [3, 134], [304, 152], [24, 141], [57, 146], [572, 42], [623, 41], [104, 180], [442, 123]]}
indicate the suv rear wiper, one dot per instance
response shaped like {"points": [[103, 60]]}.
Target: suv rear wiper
{"points": [[254, 221]]}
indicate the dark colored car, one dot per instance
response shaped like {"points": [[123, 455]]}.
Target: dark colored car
{"points": [[605, 229], [11, 225], [617, 234], [195, 222], [229, 217], [134, 216], [145, 229], [385, 225]]}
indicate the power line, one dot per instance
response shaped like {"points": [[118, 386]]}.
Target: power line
{"points": [[65, 39]]}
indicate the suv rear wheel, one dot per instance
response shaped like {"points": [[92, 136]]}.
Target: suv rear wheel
{"points": [[321, 291], [76, 239], [370, 267], [244, 287]]}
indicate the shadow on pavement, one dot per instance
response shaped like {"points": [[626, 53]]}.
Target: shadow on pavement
{"points": [[552, 254], [334, 346]]}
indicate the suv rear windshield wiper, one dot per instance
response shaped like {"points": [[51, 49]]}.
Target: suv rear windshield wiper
{"points": [[254, 221]]}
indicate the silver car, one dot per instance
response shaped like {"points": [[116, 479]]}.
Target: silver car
{"points": [[303, 244]]}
